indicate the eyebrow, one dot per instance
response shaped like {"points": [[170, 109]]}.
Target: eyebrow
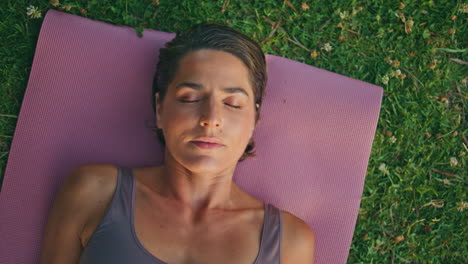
{"points": [[197, 86]]}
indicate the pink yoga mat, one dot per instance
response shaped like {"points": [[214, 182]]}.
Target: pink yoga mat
{"points": [[88, 100]]}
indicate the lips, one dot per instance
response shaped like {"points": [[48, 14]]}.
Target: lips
{"points": [[206, 145], [208, 140]]}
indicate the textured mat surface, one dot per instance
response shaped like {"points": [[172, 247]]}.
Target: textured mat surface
{"points": [[88, 100]]}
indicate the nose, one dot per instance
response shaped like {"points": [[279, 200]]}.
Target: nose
{"points": [[211, 115]]}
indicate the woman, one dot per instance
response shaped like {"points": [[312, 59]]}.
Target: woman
{"points": [[208, 89]]}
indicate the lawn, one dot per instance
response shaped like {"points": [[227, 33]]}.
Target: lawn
{"points": [[414, 199]]}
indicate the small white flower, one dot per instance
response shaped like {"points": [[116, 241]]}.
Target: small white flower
{"points": [[388, 60], [392, 139], [385, 79], [453, 161], [33, 12], [461, 206], [395, 73], [463, 8], [30, 9], [327, 47], [383, 168], [343, 15]]}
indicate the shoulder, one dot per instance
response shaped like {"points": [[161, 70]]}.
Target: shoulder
{"points": [[91, 179], [89, 189], [83, 195], [90, 186], [93, 170], [298, 241]]}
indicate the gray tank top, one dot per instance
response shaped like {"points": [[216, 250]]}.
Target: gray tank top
{"points": [[115, 241]]}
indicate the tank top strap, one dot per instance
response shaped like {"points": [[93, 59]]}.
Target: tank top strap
{"points": [[271, 242], [124, 192], [113, 241]]}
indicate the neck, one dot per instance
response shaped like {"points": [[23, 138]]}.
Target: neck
{"points": [[198, 191]]}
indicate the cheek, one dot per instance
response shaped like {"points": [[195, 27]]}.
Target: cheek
{"points": [[176, 118], [240, 128]]}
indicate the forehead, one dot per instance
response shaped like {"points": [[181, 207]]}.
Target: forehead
{"points": [[213, 67]]}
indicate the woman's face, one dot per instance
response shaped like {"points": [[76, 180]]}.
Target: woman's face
{"points": [[210, 96]]}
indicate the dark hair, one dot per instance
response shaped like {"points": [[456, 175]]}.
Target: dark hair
{"points": [[215, 37]]}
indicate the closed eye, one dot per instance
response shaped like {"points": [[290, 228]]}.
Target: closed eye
{"points": [[186, 101], [194, 101]]}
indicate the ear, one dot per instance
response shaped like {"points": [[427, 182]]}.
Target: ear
{"points": [[257, 106]]}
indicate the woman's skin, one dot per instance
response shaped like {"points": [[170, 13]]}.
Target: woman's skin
{"points": [[187, 210], [199, 181], [217, 82]]}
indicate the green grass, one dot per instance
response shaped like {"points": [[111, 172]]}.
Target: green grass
{"points": [[413, 209]]}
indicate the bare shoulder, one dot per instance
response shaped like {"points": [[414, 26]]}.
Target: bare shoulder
{"points": [[90, 189], [94, 171], [82, 196], [298, 241], [92, 181], [95, 183]]}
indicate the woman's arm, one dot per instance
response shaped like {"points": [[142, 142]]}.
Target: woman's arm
{"points": [[298, 245], [74, 204]]}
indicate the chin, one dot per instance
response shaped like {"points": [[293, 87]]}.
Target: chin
{"points": [[210, 162], [205, 164]]}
